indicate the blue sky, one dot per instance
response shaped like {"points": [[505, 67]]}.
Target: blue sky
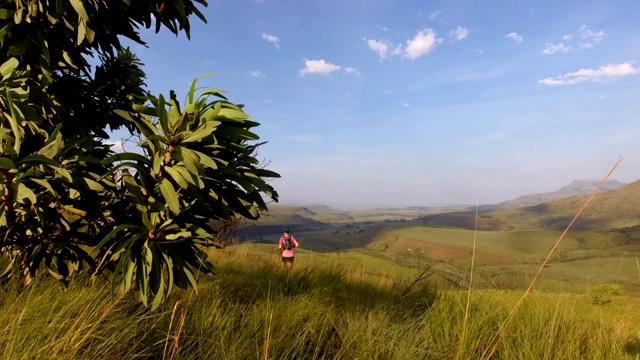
{"points": [[369, 103]]}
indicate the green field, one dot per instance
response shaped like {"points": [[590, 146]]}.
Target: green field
{"points": [[587, 256], [396, 288], [345, 305], [510, 259]]}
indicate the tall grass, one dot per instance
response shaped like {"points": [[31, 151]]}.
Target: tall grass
{"points": [[322, 309]]}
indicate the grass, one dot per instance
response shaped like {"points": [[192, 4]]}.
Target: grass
{"points": [[331, 306], [509, 259]]}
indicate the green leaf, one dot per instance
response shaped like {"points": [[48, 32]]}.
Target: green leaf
{"points": [[146, 110], [127, 156], [6, 164], [127, 279], [36, 159], [202, 131], [162, 115], [214, 92], [108, 237], [6, 14], [45, 184], [14, 120], [234, 114], [192, 280], [17, 16], [174, 118], [176, 176], [143, 124], [19, 48], [181, 234], [170, 196], [63, 173], [157, 281], [205, 160], [94, 185], [187, 158], [54, 144], [25, 193], [265, 173], [79, 8], [9, 66], [169, 261]]}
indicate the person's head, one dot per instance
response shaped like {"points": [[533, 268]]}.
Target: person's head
{"points": [[286, 232]]}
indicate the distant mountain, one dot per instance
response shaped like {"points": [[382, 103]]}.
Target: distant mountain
{"points": [[307, 214], [575, 188], [613, 209]]}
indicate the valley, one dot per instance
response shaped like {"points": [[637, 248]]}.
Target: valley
{"points": [[602, 247]]}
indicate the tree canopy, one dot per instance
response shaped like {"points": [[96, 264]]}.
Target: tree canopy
{"points": [[69, 202]]}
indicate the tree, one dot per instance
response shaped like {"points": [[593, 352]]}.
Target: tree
{"points": [[68, 201]]}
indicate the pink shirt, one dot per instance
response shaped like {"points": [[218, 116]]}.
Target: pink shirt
{"points": [[288, 253]]}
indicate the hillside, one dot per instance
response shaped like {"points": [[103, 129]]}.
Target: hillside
{"points": [[293, 215], [612, 209], [575, 188]]}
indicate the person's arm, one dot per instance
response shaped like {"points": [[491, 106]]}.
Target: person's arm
{"points": [[280, 245], [295, 242]]}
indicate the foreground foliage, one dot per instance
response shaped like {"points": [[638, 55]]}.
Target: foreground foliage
{"points": [[67, 201], [327, 308]]}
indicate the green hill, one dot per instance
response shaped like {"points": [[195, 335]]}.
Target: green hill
{"points": [[575, 188], [613, 209]]}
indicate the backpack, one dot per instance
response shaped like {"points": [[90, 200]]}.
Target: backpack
{"points": [[288, 243]]}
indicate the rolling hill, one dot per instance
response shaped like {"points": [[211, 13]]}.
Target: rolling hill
{"points": [[575, 188], [613, 209]]}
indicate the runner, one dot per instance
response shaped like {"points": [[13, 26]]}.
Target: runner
{"points": [[286, 245]]}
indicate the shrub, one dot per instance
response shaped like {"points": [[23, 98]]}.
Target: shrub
{"points": [[602, 294]]}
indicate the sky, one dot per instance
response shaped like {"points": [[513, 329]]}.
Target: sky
{"points": [[419, 103]]}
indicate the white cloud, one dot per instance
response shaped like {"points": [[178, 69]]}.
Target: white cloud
{"points": [[603, 73], [272, 39], [397, 51], [256, 74], [424, 41], [434, 15], [554, 48], [379, 46], [586, 33], [318, 67], [459, 33], [350, 70], [588, 36], [515, 37]]}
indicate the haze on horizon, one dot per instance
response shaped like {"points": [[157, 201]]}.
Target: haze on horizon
{"points": [[412, 103]]}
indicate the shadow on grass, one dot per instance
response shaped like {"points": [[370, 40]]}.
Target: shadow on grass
{"points": [[632, 346], [339, 287]]}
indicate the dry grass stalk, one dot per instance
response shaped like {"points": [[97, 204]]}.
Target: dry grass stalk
{"points": [[546, 260], [466, 310]]}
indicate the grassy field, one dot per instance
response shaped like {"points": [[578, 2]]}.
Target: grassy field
{"points": [[509, 259], [330, 306]]}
